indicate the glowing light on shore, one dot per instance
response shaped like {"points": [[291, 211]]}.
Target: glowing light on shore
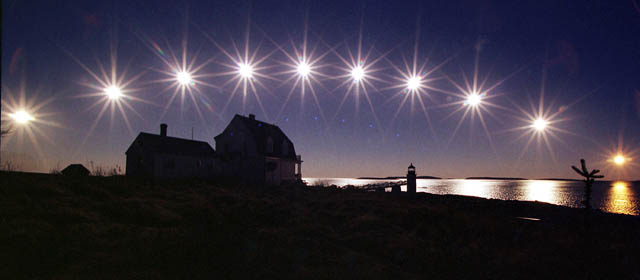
{"points": [[245, 70], [303, 69], [539, 124], [113, 92], [22, 117]]}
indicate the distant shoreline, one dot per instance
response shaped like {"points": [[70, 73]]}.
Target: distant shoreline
{"points": [[396, 178], [467, 178]]}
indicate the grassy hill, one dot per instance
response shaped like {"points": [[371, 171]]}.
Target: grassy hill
{"points": [[118, 228]]}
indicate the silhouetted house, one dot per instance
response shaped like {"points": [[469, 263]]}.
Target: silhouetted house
{"points": [[75, 170], [257, 152], [170, 157]]}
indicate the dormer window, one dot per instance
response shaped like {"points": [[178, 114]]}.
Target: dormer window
{"points": [[269, 145]]}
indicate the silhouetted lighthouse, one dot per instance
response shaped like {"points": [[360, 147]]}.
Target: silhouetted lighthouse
{"points": [[411, 179]]}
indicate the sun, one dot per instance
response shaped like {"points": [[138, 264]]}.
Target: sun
{"points": [[184, 78], [540, 124], [113, 92], [357, 73], [414, 83], [303, 69], [473, 99], [245, 70], [22, 117]]}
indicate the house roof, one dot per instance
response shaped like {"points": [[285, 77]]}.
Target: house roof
{"points": [[170, 145], [75, 168], [261, 131]]}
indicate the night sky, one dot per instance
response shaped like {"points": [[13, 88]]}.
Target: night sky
{"points": [[581, 58]]}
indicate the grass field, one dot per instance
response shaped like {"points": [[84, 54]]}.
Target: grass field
{"points": [[54, 227]]}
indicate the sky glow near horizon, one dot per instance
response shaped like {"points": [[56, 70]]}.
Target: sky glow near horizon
{"points": [[362, 101]]}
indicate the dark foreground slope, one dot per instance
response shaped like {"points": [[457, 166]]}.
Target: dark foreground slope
{"points": [[114, 228]]}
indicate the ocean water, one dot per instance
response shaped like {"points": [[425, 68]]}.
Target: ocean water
{"points": [[616, 197]]}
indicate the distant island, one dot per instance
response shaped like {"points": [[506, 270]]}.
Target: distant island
{"points": [[396, 178], [468, 178], [518, 179], [495, 178], [558, 179]]}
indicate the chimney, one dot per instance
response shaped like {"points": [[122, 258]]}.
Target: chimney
{"points": [[163, 130], [252, 116]]}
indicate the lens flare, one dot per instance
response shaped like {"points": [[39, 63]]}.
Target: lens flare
{"points": [[22, 117], [619, 160]]}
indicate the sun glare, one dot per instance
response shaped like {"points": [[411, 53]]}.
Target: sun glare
{"points": [[22, 117], [413, 83], [245, 70], [473, 99], [113, 92], [303, 69], [539, 124], [619, 160], [357, 73], [184, 78]]}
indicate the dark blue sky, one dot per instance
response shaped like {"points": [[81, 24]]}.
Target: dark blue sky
{"points": [[585, 55]]}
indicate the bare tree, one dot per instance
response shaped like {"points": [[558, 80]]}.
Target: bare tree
{"points": [[5, 129]]}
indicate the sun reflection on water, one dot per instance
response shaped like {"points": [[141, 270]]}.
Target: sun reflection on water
{"points": [[543, 191], [616, 197], [618, 202], [472, 187]]}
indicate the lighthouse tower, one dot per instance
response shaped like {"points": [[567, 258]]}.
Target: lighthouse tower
{"points": [[411, 179]]}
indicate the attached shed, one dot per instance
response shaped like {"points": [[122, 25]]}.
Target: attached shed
{"points": [[153, 155]]}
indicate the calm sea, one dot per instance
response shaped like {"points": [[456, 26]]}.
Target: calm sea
{"points": [[616, 197]]}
